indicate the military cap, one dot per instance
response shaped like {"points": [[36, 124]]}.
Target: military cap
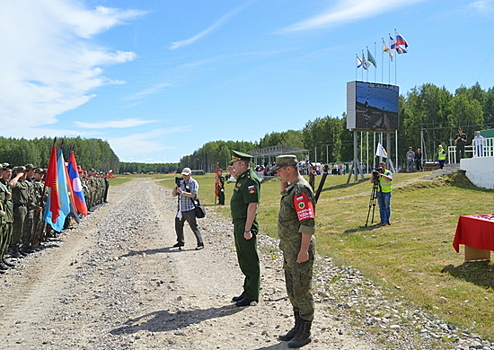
{"points": [[285, 160], [6, 166], [39, 171], [20, 169], [29, 166], [236, 156]]}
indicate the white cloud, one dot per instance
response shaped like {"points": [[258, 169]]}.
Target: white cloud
{"points": [[483, 6], [150, 91], [138, 145], [216, 25], [126, 123], [348, 11], [48, 64]]}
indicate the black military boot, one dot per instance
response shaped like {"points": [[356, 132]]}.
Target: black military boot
{"points": [[289, 336], [302, 337]]}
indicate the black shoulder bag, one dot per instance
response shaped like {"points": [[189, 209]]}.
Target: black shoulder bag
{"points": [[199, 209]]}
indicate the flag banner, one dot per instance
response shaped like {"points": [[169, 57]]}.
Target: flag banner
{"points": [[359, 62], [52, 207], [381, 152], [387, 49], [400, 40], [365, 64], [73, 210], [58, 222], [217, 180], [78, 195], [371, 59]]}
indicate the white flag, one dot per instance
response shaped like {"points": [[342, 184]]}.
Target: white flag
{"points": [[380, 151]]}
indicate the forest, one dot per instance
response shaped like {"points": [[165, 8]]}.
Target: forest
{"points": [[429, 115]]}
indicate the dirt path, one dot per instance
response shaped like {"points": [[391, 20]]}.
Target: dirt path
{"points": [[113, 282]]}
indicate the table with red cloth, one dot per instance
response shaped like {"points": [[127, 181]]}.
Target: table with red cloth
{"points": [[476, 232]]}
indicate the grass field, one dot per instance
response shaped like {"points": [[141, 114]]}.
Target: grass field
{"points": [[414, 254]]}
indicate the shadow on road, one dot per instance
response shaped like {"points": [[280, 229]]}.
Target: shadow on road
{"points": [[163, 321]]}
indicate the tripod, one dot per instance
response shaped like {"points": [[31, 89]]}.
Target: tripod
{"points": [[372, 201]]}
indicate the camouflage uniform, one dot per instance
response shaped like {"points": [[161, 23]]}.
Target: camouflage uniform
{"points": [[298, 276], [20, 198], [8, 207]]}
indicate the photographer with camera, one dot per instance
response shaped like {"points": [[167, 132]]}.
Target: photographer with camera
{"points": [[186, 189], [382, 179]]}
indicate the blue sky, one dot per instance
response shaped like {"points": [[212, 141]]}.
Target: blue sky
{"points": [[159, 78]]}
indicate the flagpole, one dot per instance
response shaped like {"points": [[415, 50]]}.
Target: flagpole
{"points": [[382, 60], [396, 61], [375, 55]]}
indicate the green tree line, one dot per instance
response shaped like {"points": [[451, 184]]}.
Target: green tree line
{"points": [[429, 115], [90, 153]]}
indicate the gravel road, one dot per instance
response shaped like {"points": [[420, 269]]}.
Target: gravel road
{"points": [[114, 282]]}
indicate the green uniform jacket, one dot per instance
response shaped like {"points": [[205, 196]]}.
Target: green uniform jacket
{"points": [[247, 190], [290, 229]]}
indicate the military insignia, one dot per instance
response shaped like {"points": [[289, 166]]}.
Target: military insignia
{"points": [[251, 189], [303, 207]]}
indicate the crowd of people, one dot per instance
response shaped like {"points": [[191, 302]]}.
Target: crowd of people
{"points": [[23, 196]]}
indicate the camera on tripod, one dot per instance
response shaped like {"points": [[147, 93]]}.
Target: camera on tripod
{"points": [[377, 171], [177, 180]]}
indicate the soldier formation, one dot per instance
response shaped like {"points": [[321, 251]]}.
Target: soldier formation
{"points": [[22, 203]]}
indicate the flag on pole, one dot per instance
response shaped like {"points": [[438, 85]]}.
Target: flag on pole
{"points": [[359, 62], [386, 49], [63, 196], [371, 59], [77, 193], [380, 151], [400, 40], [365, 64], [217, 180], [52, 208]]}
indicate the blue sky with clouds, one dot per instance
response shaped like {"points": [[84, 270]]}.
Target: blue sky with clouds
{"points": [[158, 79]]}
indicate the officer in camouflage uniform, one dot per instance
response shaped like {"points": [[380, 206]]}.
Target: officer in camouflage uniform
{"points": [[20, 197], [8, 207], [40, 201], [32, 207], [243, 205], [296, 227]]}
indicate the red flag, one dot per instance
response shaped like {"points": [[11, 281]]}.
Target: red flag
{"points": [[51, 182], [217, 180], [76, 186]]}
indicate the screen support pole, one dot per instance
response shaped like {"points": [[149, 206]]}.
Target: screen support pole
{"points": [[356, 167]]}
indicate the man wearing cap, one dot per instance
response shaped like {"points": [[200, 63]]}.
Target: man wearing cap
{"points": [[38, 225], [186, 191], [296, 228], [20, 198], [32, 206], [461, 141], [6, 215], [243, 207]]}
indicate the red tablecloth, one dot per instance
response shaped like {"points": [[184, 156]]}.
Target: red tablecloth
{"points": [[476, 231]]}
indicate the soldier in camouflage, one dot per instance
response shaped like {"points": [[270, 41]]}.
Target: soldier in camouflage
{"points": [[6, 215], [296, 227]]}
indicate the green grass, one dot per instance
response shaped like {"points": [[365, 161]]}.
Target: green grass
{"points": [[414, 253]]}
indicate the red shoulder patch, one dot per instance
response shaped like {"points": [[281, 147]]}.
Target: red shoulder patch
{"points": [[303, 207]]}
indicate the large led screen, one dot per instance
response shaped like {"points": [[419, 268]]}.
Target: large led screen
{"points": [[372, 106]]}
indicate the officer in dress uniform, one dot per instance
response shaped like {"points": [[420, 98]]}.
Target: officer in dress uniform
{"points": [[20, 197], [243, 206], [296, 227]]}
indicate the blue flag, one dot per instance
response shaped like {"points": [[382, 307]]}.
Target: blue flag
{"points": [[63, 197]]}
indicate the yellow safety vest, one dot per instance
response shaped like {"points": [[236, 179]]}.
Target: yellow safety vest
{"points": [[386, 185]]}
